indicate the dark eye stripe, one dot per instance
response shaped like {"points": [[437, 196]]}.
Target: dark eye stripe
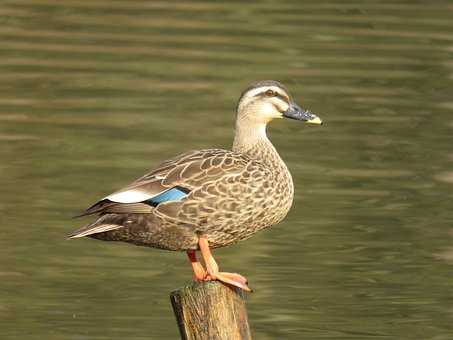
{"points": [[263, 94], [282, 97]]}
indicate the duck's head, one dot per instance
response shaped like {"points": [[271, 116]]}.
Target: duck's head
{"points": [[268, 99]]}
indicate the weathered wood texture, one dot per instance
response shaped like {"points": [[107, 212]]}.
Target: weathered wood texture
{"points": [[211, 311]]}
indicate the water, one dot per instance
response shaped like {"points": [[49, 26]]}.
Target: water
{"points": [[95, 93]]}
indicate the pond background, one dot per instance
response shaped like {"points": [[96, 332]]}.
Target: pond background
{"points": [[95, 93]]}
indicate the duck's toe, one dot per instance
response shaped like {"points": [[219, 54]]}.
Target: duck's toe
{"points": [[233, 279]]}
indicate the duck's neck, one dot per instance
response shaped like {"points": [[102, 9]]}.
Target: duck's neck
{"points": [[251, 139]]}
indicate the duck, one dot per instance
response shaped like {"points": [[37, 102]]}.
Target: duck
{"points": [[210, 198]]}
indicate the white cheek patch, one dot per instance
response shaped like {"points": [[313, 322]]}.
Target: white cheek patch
{"points": [[276, 108], [268, 109], [130, 196]]}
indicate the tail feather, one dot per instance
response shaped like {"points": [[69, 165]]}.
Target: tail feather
{"points": [[94, 228]]}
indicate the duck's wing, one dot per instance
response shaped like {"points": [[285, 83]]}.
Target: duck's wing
{"points": [[171, 181]]}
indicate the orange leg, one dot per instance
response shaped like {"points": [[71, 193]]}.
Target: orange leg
{"points": [[213, 269], [198, 270]]}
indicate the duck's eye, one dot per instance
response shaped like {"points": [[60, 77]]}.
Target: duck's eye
{"points": [[270, 93]]}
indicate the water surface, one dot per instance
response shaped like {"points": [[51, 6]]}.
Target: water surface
{"points": [[94, 93]]}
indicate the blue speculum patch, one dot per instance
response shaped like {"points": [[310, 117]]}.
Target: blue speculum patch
{"points": [[173, 194]]}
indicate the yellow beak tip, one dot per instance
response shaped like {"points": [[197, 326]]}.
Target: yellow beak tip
{"points": [[316, 121]]}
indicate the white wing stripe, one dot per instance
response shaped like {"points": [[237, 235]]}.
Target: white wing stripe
{"points": [[130, 196]]}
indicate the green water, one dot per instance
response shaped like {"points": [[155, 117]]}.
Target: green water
{"points": [[94, 93]]}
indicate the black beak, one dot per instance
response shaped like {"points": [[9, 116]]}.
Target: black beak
{"points": [[296, 112]]}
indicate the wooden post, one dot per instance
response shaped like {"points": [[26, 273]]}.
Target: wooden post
{"points": [[211, 311]]}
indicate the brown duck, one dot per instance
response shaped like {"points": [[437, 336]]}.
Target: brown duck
{"points": [[208, 198]]}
